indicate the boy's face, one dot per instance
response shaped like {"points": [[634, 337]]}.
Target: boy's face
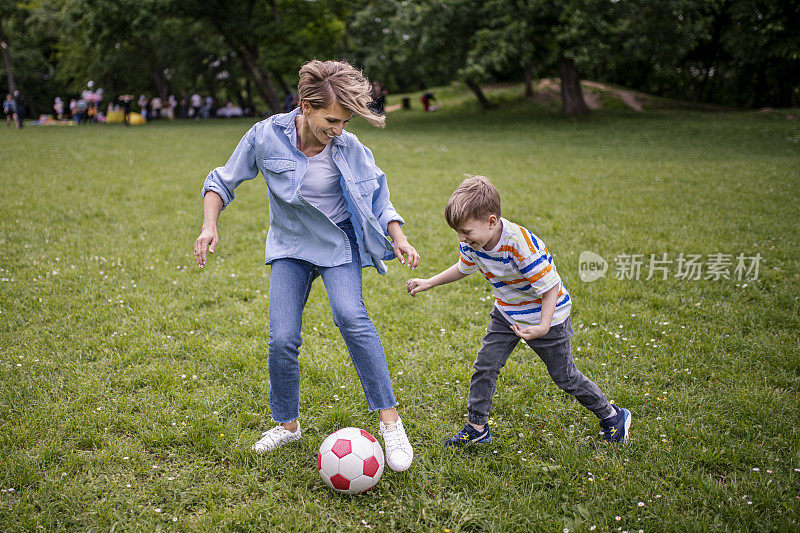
{"points": [[480, 232]]}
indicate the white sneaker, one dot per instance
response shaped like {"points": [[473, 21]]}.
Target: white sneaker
{"points": [[399, 453], [275, 438]]}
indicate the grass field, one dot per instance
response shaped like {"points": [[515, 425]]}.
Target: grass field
{"points": [[132, 384]]}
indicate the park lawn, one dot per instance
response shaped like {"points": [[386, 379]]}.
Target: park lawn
{"points": [[132, 384]]}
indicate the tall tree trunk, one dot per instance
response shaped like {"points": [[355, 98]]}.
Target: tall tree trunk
{"points": [[528, 80], [701, 89], [475, 88], [7, 61], [262, 79], [275, 13], [345, 45], [248, 90], [279, 80], [571, 93], [161, 84]]}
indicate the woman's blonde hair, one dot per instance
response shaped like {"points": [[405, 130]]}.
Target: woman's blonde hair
{"points": [[323, 83]]}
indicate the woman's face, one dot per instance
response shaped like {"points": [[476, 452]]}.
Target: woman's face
{"points": [[325, 123]]}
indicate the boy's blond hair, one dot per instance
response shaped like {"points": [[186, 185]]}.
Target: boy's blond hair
{"points": [[323, 83], [475, 198]]}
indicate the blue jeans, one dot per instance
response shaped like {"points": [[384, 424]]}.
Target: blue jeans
{"points": [[290, 284]]}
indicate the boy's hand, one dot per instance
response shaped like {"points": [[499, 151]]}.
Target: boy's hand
{"points": [[415, 285], [531, 332]]}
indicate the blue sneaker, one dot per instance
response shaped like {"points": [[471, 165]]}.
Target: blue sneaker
{"points": [[616, 428], [470, 435]]}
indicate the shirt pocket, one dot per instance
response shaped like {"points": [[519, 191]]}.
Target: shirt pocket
{"points": [[280, 175], [278, 166], [367, 186]]}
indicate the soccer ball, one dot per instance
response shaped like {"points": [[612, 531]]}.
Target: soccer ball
{"points": [[350, 461]]}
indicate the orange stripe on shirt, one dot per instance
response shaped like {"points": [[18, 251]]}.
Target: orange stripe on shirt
{"points": [[501, 302], [490, 276], [467, 262], [533, 279], [539, 275], [506, 248], [528, 240]]}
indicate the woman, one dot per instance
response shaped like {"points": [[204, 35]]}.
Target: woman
{"points": [[329, 216]]}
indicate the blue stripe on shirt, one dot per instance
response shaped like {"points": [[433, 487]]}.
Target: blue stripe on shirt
{"points": [[538, 308], [533, 264], [499, 259]]}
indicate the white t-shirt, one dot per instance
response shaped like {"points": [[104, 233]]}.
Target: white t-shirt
{"points": [[321, 187], [520, 270]]}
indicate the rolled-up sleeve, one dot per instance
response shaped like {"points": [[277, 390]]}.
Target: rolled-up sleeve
{"points": [[241, 166], [381, 204]]}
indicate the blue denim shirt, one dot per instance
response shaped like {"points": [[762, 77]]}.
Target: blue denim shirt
{"points": [[296, 228]]}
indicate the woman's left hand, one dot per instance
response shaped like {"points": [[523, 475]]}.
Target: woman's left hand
{"points": [[406, 254]]}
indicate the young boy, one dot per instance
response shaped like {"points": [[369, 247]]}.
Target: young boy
{"points": [[531, 303]]}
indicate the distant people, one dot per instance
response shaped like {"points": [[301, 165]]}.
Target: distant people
{"points": [[58, 107], [428, 100], [290, 102], [82, 109], [142, 103], [183, 106], [10, 110], [73, 109], [126, 100], [173, 104], [92, 100], [155, 107], [379, 93], [208, 105], [229, 110], [19, 100], [197, 103]]}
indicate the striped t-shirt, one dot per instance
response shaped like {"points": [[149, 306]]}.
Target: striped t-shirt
{"points": [[520, 270]]}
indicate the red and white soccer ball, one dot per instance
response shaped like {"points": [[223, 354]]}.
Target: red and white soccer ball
{"points": [[350, 461]]}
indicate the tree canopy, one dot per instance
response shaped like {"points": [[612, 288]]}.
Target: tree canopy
{"points": [[733, 52]]}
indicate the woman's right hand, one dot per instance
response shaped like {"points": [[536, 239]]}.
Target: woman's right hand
{"points": [[207, 240]]}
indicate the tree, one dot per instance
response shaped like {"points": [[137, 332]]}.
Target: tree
{"points": [[272, 37], [120, 43], [30, 35], [422, 43], [580, 33], [738, 52], [512, 40], [476, 41]]}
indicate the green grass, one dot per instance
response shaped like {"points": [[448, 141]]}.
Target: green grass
{"points": [[132, 384]]}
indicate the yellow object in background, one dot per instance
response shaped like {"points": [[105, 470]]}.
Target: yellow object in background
{"points": [[118, 117]]}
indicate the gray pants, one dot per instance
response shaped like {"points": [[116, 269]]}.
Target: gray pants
{"points": [[553, 349]]}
